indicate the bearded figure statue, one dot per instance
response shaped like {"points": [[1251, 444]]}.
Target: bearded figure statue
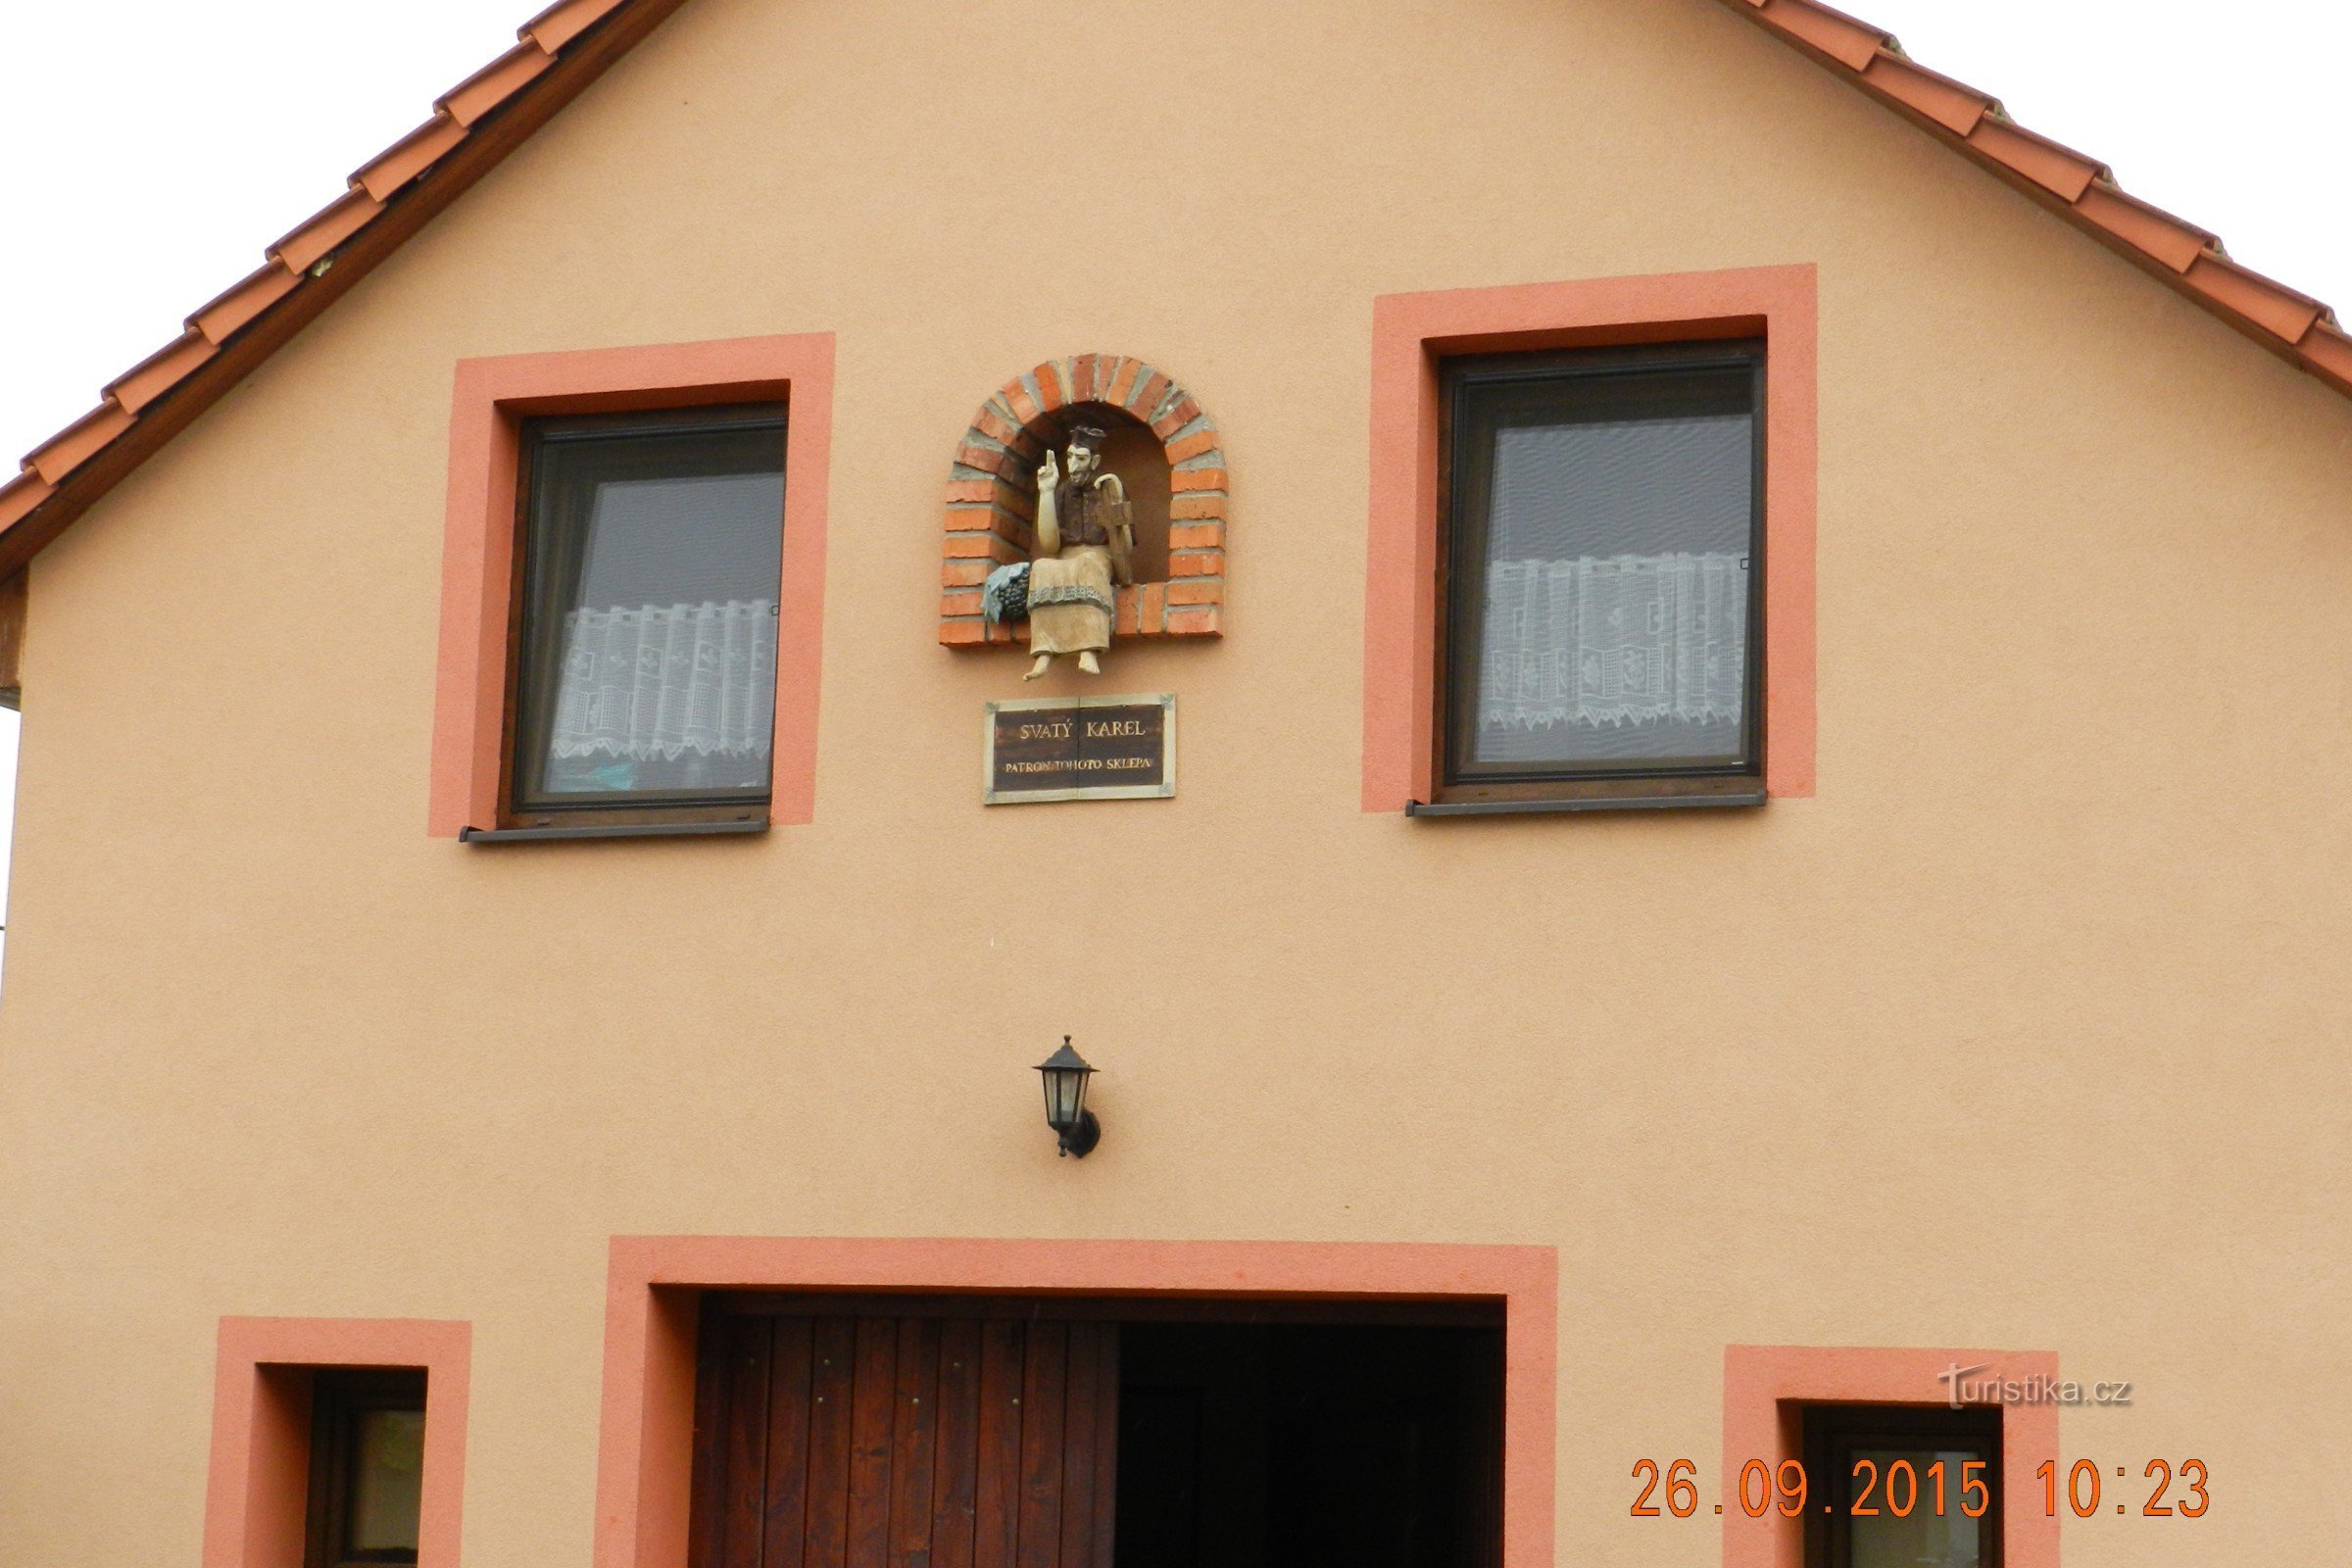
{"points": [[1084, 543]]}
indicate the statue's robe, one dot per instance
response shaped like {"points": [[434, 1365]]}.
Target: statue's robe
{"points": [[1070, 595]]}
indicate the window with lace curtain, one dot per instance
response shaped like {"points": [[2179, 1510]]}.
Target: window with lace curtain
{"points": [[1601, 601], [644, 669]]}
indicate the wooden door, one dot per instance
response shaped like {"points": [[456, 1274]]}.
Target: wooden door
{"points": [[855, 1441]]}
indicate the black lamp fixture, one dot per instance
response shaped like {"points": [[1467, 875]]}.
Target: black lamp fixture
{"points": [[1066, 1074]]}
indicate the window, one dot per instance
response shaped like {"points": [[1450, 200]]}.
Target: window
{"points": [[367, 1477], [1602, 602], [645, 664], [1931, 1477]]}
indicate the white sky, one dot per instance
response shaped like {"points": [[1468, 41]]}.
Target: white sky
{"points": [[149, 149]]}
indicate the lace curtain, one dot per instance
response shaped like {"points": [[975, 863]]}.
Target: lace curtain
{"points": [[1614, 640], [662, 680]]}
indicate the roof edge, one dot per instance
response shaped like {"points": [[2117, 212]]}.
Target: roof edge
{"points": [[474, 127], [2079, 188]]}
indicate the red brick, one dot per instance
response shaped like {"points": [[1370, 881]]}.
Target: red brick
{"points": [[1145, 397], [963, 601], [1122, 380], [963, 633], [1197, 536], [1125, 624], [965, 546], [1183, 411], [1052, 394], [1197, 479], [988, 460], [1001, 634], [994, 426], [1083, 371], [1150, 607], [1024, 407], [1192, 446], [1192, 620], [1197, 591], [1187, 507], [1197, 563], [971, 490], [964, 574]]}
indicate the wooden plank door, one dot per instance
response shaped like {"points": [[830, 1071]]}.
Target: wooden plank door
{"points": [[911, 1441]]}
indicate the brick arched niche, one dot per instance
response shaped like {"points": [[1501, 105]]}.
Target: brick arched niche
{"points": [[992, 493]]}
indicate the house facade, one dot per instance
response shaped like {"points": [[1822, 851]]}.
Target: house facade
{"points": [[1726, 910]]}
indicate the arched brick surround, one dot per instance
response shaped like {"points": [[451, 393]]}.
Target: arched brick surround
{"points": [[992, 506]]}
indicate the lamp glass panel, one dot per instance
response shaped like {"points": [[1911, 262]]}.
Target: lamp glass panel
{"points": [[1065, 1096]]}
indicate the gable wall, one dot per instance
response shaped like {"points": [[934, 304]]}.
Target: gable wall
{"points": [[2019, 1033]]}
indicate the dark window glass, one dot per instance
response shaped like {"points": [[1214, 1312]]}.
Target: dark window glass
{"points": [[366, 1468], [1927, 1462], [652, 553], [1603, 565]]}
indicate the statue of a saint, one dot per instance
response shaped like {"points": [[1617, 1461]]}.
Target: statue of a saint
{"points": [[1085, 539]]}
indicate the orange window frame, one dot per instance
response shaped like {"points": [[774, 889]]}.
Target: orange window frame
{"points": [[480, 560]]}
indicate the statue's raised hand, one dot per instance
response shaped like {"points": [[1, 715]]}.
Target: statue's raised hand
{"points": [[1049, 472]]}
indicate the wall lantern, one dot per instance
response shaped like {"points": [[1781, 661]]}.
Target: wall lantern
{"points": [[1066, 1074]]}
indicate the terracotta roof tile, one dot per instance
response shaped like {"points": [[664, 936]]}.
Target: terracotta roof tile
{"points": [[201, 360], [160, 371], [326, 229], [551, 29], [237, 307], [409, 157], [2150, 229], [2268, 304], [1954, 105], [496, 83], [2330, 349], [78, 442]]}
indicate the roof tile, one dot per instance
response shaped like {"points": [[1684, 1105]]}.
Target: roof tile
{"points": [[1850, 42], [566, 21], [2057, 168], [327, 228], [1954, 105], [2329, 351], [501, 79], [160, 372], [409, 157], [79, 441], [2149, 230], [235, 308], [2269, 305]]}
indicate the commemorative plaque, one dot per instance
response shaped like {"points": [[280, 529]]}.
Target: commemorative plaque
{"points": [[1080, 748]]}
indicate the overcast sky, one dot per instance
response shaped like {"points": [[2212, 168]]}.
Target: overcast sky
{"points": [[150, 150]]}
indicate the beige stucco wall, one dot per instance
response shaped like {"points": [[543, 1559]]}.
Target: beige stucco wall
{"points": [[2027, 1031]]}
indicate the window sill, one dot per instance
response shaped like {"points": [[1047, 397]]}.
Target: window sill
{"points": [[612, 830], [1746, 798]]}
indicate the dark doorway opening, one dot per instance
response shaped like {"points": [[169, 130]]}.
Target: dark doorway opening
{"points": [[1308, 1446], [1063, 1432]]}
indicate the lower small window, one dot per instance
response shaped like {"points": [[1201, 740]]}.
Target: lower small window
{"points": [[1601, 596], [1905, 1487], [367, 1486]]}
